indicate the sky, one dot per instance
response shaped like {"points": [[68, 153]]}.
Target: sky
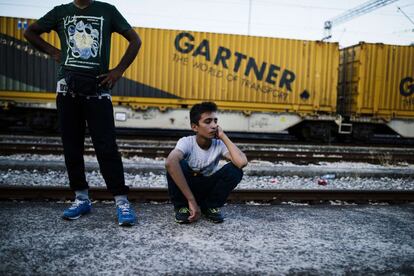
{"points": [[296, 19]]}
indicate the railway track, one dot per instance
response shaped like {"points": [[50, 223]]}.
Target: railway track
{"points": [[259, 195], [269, 152]]}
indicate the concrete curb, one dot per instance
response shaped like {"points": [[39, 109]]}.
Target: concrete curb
{"points": [[158, 168]]}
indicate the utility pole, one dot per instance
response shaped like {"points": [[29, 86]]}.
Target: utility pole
{"points": [[250, 17]]}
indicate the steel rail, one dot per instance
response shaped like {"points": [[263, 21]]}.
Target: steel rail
{"points": [[242, 195], [296, 154]]}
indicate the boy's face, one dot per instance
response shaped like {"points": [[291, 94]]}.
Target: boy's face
{"points": [[207, 125]]}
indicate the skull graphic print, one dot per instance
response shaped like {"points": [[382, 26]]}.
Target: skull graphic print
{"points": [[84, 39]]}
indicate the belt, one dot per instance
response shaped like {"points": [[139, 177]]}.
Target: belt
{"points": [[195, 174], [63, 89]]}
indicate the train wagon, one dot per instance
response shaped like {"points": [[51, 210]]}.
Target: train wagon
{"points": [[261, 84], [376, 87]]}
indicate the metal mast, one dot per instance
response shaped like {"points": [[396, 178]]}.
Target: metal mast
{"points": [[352, 13]]}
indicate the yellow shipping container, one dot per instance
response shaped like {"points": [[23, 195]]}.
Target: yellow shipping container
{"points": [[178, 68], [377, 81], [242, 72], [15, 27]]}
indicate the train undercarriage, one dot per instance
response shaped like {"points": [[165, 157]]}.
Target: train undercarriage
{"points": [[327, 129]]}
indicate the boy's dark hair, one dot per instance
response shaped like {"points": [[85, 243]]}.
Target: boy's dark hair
{"points": [[198, 109]]}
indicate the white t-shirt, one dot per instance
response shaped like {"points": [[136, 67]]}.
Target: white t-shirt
{"points": [[199, 160]]}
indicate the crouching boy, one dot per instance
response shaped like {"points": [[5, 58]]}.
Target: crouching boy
{"points": [[195, 183]]}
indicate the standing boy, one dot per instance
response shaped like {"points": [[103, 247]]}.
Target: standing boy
{"points": [[195, 182], [83, 93]]}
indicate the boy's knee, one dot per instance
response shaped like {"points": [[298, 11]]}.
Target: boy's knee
{"points": [[233, 172], [238, 174]]}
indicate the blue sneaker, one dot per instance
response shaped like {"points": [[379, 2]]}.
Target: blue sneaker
{"points": [[126, 216], [79, 207]]}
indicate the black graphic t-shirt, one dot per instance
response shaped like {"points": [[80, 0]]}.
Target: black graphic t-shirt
{"points": [[85, 34]]}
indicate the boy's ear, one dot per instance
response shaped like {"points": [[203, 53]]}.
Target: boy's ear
{"points": [[194, 127]]}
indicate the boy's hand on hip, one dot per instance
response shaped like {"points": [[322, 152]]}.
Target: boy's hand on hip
{"points": [[110, 78]]}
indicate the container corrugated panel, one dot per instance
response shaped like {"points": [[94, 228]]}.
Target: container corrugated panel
{"points": [[22, 68], [240, 72], [273, 73], [377, 80]]}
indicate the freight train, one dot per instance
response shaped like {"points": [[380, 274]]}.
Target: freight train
{"points": [[262, 85]]}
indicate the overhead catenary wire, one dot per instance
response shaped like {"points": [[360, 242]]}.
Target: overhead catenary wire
{"points": [[258, 24], [352, 13], [400, 10]]}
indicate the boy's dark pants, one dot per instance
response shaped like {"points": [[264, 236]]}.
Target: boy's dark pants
{"points": [[209, 191], [74, 113]]}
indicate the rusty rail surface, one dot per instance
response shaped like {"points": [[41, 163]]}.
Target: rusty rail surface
{"points": [[243, 195]]}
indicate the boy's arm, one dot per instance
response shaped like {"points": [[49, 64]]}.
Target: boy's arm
{"points": [[172, 164], [32, 34], [131, 52], [237, 157]]}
